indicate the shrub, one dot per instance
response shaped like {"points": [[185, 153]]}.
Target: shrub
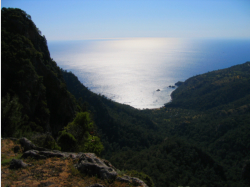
{"points": [[80, 129], [67, 141], [46, 141], [93, 145]]}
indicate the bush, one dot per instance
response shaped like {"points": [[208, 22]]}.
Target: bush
{"points": [[93, 145], [80, 126], [67, 141], [45, 141], [80, 129]]}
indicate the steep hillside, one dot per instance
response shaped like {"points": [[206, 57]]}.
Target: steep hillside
{"points": [[31, 80], [212, 112], [121, 126]]}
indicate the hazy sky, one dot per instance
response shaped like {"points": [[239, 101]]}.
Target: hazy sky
{"points": [[89, 19]]}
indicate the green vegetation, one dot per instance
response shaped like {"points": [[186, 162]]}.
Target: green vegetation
{"points": [[45, 141], [79, 135], [201, 138], [31, 80], [6, 161]]}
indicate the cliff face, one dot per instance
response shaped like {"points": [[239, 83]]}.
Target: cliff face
{"points": [[29, 74]]}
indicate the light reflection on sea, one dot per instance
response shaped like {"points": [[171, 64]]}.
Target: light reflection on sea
{"points": [[131, 70]]}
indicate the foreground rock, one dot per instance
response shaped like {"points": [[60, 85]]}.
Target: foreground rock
{"points": [[49, 154], [16, 164], [96, 185], [28, 145], [90, 164], [131, 180]]}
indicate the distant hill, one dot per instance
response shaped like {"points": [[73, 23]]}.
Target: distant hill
{"points": [[219, 88]]}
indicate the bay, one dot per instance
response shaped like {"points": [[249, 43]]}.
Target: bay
{"points": [[131, 70]]}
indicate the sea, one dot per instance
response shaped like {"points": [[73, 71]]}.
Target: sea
{"points": [[139, 71]]}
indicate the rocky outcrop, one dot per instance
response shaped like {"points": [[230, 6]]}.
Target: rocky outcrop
{"points": [[28, 145], [131, 180], [16, 164], [49, 154], [33, 154], [90, 164], [96, 185]]}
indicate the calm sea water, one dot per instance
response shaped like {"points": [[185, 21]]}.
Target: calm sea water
{"points": [[130, 71]]}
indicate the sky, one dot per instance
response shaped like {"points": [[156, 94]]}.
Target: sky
{"points": [[95, 19]]}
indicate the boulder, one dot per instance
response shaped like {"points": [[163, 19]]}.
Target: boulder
{"points": [[138, 182], [96, 185], [33, 154], [16, 164], [124, 179], [26, 144], [90, 164], [50, 154], [131, 180]]}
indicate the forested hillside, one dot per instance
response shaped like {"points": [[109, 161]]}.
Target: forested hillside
{"points": [[201, 138], [35, 101], [215, 89], [208, 145], [31, 80]]}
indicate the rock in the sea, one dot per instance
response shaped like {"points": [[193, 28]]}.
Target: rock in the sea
{"points": [[16, 164], [90, 164]]}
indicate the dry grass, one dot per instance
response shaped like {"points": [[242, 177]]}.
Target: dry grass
{"points": [[50, 172]]}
